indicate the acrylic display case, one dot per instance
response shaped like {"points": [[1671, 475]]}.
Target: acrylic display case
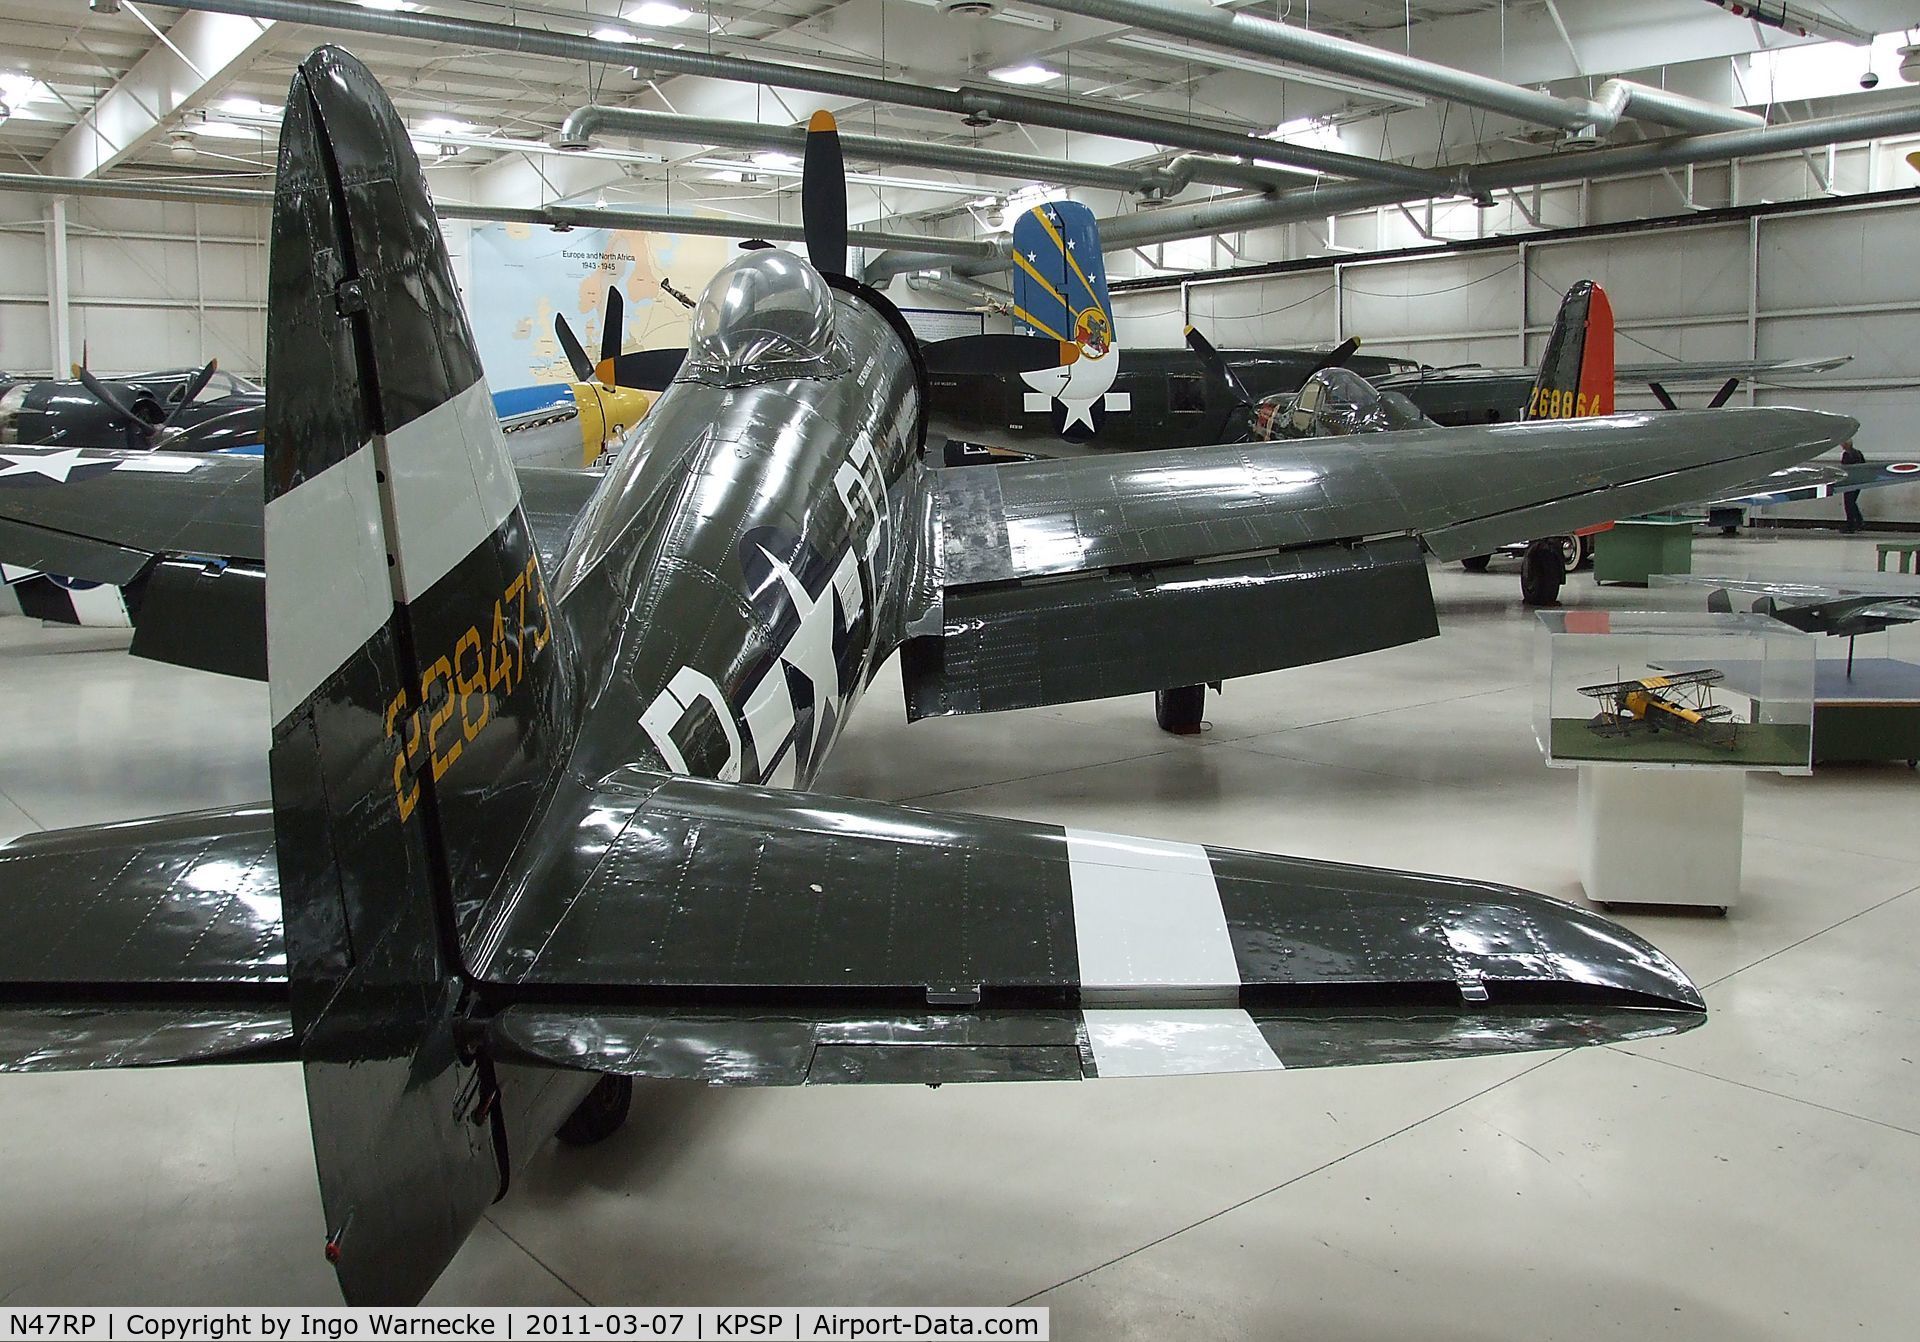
{"points": [[1675, 689]]}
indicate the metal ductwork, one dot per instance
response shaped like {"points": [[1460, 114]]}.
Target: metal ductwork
{"points": [[549, 216], [1238, 31], [1083, 116], [583, 124], [1147, 227], [971, 292]]}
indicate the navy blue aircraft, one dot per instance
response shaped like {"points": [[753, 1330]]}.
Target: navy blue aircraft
{"points": [[540, 739]]}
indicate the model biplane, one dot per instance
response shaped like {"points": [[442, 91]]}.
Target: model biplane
{"points": [[1681, 703]]}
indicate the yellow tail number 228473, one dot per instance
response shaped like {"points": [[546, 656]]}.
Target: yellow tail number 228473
{"points": [[472, 679]]}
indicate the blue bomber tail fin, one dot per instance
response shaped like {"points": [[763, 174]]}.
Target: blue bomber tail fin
{"points": [[1060, 292]]}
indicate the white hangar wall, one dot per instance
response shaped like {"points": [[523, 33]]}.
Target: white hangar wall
{"points": [[1826, 279], [148, 284]]}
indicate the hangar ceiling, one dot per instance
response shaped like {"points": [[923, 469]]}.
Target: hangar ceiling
{"points": [[204, 110]]}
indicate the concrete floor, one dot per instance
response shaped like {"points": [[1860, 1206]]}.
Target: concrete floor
{"points": [[1753, 1178]]}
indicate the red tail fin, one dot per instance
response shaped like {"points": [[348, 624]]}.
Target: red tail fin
{"points": [[1576, 373]]}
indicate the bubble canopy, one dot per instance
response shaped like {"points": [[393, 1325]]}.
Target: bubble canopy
{"points": [[767, 314]]}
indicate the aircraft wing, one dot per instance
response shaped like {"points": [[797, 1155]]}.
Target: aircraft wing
{"points": [[1078, 579], [1823, 479], [182, 532], [742, 935], [1684, 373]]}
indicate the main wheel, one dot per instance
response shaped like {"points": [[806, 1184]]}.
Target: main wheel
{"points": [[1476, 563], [600, 1114], [1570, 552], [1541, 573], [1180, 709]]}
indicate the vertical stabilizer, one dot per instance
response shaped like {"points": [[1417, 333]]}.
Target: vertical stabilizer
{"points": [[416, 681], [1060, 292], [1576, 372]]}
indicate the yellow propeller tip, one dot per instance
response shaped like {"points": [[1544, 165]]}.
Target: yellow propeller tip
{"points": [[822, 120]]}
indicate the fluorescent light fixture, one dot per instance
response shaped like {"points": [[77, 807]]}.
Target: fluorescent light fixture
{"points": [[775, 159], [250, 108], [387, 6], [444, 126], [658, 14], [1254, 65], [616, 35], [225, 130], [1310, 132], [1030, 73]]}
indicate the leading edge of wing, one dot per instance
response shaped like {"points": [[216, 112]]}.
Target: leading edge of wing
{"points": [[758, 936], [1462, 490]]}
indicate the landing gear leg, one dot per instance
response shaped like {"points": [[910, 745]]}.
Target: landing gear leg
{"points": [[600, 1114], [1180, 709], [1542, 572]]}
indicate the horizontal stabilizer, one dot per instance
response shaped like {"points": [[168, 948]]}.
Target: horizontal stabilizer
{"points": [[144, 943]]}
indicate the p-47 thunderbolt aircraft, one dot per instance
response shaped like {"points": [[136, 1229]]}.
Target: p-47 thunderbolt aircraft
{"points": [[534, 831]]}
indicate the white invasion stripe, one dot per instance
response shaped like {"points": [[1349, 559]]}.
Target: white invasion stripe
{"points": [[102, 607], [451, 484], [159, 465], [1146, 915], [327, 585], [1156, 1042]]}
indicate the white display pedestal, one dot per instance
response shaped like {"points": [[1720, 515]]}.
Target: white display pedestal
{"points": [[1661, 836]]}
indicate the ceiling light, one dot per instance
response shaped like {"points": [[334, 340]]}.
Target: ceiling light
{"points": [[1030, 73], [615, 35], [251, 108], [17, 89], [775, 159], [386, 6], [1309, 132], [223, 130], [659, 14], [443, 126]]}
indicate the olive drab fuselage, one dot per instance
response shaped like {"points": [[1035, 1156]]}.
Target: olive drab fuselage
{"points": [[737, 577]]}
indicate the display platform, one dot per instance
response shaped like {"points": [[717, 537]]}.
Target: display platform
{"points": [[1862, 715], [1632, 551], [1666, 837]]}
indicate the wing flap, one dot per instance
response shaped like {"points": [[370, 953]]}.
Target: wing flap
{"points": [[1095, 636]]}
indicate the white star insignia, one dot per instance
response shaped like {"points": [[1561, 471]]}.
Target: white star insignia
{"points": [[54, 465]]}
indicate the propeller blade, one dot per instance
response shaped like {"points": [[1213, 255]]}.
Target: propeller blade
{"points": [[1721, 397], [576, 355], [104, 394], [1660, 395], [1216, 368], [194, 388], [647, 369], [1336, 357], [998, 354], [823, 196], [613, 329]]}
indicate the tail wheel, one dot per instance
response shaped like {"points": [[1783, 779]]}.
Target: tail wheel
{"points": [[600, 1114], [1476, 563], [1542, 572], [1179, 710]]}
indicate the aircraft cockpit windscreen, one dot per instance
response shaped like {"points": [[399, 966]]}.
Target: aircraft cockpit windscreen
{"points": [[767, 314]]}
